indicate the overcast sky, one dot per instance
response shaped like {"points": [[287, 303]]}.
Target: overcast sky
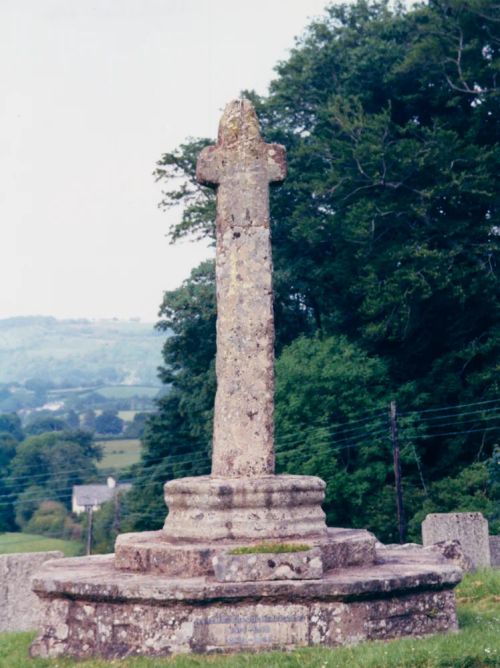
{"points": [[93, 91]]}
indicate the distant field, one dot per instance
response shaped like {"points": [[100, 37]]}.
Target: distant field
{"points": [[26, 542], [120, 453], [128, 391], [81, 353], [128, 416]]}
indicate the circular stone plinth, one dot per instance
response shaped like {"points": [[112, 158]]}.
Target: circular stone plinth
{"points": [[92, 609], [284, 507]]}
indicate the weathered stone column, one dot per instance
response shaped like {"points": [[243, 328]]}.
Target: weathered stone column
{"points": [[241, 166]]}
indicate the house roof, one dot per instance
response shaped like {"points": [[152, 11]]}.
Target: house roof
{"points": [[92, 495]]}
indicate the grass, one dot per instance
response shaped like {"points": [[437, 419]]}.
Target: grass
{"points": [[128, 391], [271, 548], [477, 645], [119, 453], [26, 542]]}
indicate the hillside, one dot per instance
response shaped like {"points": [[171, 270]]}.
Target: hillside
{"points": [[70, 353]]}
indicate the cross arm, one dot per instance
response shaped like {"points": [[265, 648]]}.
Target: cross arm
{"points": [[208, 167], [276, 162]]}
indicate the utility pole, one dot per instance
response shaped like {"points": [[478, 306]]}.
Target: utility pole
{"points": [[89, 509], [397, 470], [116, 518]]}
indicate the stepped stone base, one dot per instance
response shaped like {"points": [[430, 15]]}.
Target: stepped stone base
{"points": [[151, 552], [90, 608]]}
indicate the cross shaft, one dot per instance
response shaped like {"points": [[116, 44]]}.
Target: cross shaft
{"points": [[241, 166]]}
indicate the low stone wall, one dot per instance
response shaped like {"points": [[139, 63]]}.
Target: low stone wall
{"points": [[20, 608], [495, 551]]}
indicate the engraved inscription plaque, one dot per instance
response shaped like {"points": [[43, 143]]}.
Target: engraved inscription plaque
{"points": [[252, 626]]}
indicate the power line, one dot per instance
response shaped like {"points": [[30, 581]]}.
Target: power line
{"points": [[339, 427], [192, 458], [41, 495], [453, 433], [302, 439], [459, 415], [451, 407], [172, 458], [462, 422], [312, 449]]}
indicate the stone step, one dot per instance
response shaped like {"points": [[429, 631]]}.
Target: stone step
{"points": [[151, 552]]}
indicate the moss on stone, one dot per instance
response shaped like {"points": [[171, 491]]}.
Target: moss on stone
{"points": [[271, 548]]}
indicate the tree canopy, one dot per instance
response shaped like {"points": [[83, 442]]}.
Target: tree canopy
{"points": [[385, 246]]}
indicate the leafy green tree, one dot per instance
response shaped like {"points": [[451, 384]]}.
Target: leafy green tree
{"points": [[8, 446], [46, 467], [108, 422], [88, 421], [465, 492], [72, 419], [385, 235], [51, 518], [27, 502], [43, 424], [107, 523], [135, 429], [10, 423], [322, 384]]}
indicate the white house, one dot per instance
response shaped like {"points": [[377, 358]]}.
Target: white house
{"points": [[93, 496]]}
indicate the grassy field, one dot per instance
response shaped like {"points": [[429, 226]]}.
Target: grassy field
{"points": [[127, 415], [120, 453], [477, 645], [25, 542]]}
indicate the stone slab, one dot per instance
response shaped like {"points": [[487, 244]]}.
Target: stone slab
{"points": [[495, 551], [19, 606], [91, 608], [149, 551], [302, 565], [471, 529]]}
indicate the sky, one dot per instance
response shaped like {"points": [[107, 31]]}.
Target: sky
{"points": [[93, 92]]}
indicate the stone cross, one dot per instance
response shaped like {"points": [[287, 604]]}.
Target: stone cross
{"points": [[241, 166]]}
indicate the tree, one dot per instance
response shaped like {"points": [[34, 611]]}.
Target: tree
{"points": [[135, 429], [47, 466], [88, 421], [385, 233], [72, 419], [108, 422], [107, 523], [10, 423], [8, 446], [27, 502], [321, 385], [51, 518], [41, 424]]}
